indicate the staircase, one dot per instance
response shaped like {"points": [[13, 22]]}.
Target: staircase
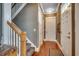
{"points": [[6, 48], [18, 39], [16, 8]]}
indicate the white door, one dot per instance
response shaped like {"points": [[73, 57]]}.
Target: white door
{"points": [[50, 28], [66, 39]]}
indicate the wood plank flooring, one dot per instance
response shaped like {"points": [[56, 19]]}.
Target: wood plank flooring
{"points": [[49, 48]]}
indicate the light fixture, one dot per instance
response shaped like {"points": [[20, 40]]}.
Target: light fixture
{"points": [[49, 10]]}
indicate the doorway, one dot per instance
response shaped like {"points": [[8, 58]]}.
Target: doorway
{"points": [[50, 28]]}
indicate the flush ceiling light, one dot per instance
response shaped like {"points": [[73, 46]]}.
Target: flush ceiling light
{"points": [[49, 10]]}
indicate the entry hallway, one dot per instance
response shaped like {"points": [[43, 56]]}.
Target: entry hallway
{"points": [[39, 29]]}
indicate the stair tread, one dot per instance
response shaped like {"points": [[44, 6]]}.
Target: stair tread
{"points": [[30, 51], [28, 45]]}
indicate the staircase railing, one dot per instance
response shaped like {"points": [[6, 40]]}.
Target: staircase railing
{"points": [[17, 38]]}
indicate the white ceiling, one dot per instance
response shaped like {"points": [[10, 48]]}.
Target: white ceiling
{"points": [[49, 7]]}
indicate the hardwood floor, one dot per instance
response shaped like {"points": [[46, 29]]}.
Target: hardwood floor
{"points": [[49, 48]]}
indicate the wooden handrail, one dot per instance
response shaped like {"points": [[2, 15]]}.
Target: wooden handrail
{"points": [[22, 36], [14, 27]]}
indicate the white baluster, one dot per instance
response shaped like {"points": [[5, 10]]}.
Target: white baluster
{"points": [[19, 46]]}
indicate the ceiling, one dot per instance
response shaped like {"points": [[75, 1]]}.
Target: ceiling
{"points": [[49, 7]]}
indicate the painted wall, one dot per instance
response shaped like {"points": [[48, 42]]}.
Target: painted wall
{"points": [[6, 15], [41, 25], [77, 29], [0, 21], [27, 20]]}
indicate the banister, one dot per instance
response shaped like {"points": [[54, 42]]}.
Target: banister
{"points": [[22, 37], [14, 27]]}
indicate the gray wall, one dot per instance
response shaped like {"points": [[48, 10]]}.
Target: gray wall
{"points": [[0, 22], [27, 20]]}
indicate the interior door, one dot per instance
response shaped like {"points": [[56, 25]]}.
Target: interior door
{"points": [[66, 39], [50, 23]]}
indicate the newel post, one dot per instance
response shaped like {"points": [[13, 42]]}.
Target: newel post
{"points": [[23, 44]]}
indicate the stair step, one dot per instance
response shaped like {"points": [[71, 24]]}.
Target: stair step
{"points": [[28, 45], [30, 51]]}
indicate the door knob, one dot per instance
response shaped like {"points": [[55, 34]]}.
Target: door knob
{"points": [[68, 37]]}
